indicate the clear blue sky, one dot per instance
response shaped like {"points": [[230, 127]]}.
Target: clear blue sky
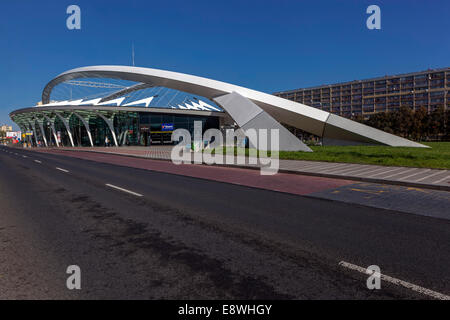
{"points": [[265, 45]]}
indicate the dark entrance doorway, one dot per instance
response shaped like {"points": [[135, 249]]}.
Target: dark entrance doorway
{"points": [[145, 135]]}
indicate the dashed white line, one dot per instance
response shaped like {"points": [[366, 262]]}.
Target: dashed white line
{"points": [[25, 156], [61, 169], [124, 190], [398, 282], [37, 161]]}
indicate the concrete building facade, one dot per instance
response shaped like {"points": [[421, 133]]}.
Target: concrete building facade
{"points": [[429, 89]]}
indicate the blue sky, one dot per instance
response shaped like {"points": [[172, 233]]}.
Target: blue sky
{"points": [[265, 45]]}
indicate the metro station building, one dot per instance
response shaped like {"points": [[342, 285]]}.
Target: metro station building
{"points": [[142, 106], [123, 119]]}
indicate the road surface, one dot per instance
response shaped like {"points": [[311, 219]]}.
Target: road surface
{"points": [[142, 234]]}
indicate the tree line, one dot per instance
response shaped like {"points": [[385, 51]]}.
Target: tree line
{"points": [[416, 125]]}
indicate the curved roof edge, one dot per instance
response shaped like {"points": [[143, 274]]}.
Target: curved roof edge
{"points": [[309, 119], [201, 86], [116, 109]]}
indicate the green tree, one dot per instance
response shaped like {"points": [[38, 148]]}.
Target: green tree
{"points": [[403, 122], [447, 124], [419, 124], [437, 122]]}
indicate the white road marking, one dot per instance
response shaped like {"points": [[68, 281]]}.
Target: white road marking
{"points": [[398, 282], [387, 171], [341, 168], [314, 166], [442, 180], [63, 170], [414, 174], [350, 171], [398, 173], [37, 161], [429, 176], [25, 156], [364, 173], [333, 167], [124, 190]]}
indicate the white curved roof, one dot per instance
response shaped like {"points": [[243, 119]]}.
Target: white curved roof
{"points": [[318, 122], [207, 88]]}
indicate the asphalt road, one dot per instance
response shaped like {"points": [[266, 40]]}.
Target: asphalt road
{"points": [[178, 237]]}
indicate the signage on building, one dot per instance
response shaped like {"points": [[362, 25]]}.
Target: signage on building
{"points": [[13, 134], [167, 127]]}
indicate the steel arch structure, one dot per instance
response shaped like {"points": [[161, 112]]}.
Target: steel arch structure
{"points": [[246, 106]]}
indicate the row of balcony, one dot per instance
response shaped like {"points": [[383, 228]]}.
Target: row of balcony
{"points": [[423, 92], [393, 98], [419, 82], [360, 104], [381, 90], [375, 109]]}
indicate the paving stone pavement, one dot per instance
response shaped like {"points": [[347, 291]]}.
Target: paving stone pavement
{"points": [[420, 177], [431, 203]]}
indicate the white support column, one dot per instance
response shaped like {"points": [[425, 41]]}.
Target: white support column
{"points": [[66, 124], [86, 125], [110, 123], [125, 135], [119, 138], [33, 126], [52, 126], [41, 127]]}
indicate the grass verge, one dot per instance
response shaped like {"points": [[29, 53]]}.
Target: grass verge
{"points": [[438, 156]]}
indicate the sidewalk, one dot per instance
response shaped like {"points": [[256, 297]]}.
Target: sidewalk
{"points": [[406, 176]]}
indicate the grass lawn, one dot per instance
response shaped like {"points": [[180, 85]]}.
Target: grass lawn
{"points": [[438, 156]]}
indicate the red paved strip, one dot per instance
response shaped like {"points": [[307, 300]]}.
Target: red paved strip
{"points": [[282, 182]]}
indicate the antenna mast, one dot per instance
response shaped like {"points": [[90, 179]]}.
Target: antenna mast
{"points": [[132, 52]]}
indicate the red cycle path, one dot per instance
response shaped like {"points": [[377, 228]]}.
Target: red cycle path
{"points": [[282, 182]]}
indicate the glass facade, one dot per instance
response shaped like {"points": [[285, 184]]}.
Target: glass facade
{"points": [[157, 128], [127, 127], [130, 128], [61, 132]]}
